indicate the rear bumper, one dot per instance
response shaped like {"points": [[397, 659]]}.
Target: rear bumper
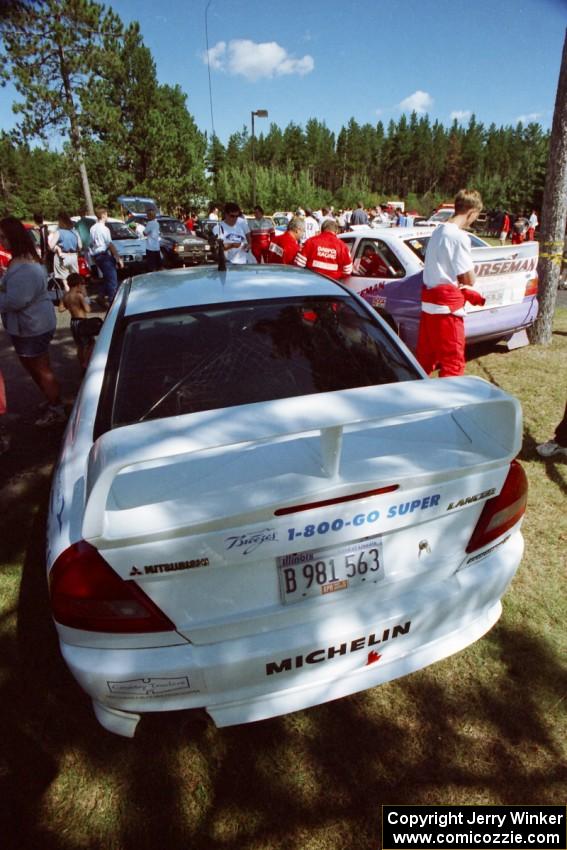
{"points": [[481, 325], [186, 258], [270, 674], [500, 322]]}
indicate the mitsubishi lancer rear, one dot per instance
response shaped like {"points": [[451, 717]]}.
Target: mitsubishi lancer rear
{"points": [[263, 504]]}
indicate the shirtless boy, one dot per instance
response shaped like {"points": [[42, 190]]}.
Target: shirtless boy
{"points": [[77, 303]]}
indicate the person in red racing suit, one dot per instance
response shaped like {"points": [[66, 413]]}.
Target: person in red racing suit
{"points": [[371, 264], [261, 232], [284, 247], [448, 280], [326, 253]]}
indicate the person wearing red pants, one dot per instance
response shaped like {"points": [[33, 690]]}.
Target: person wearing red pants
{"points": [[448, 281], [261, 232]]}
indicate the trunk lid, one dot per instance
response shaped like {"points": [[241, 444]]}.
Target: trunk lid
{"points": [[217, 514], [502, 274]]}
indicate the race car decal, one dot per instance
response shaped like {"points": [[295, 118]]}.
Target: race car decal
{"points": [[338, 523], [507, 267], [154, 569], [59, 513], [373, 657], [250, 541], [372, 290], [328, 653], [468, 500]]}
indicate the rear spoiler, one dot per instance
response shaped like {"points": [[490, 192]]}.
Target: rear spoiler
{"points": [[506, 259], [483, 413]]}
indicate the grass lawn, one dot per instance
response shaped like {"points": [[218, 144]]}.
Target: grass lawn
{"points": [[485, 726]]}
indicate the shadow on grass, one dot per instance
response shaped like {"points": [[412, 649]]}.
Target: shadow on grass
{"points": [[181, 783], [313, 779], [555, 467]]}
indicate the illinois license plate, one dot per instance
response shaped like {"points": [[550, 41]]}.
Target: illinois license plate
{"points": [[494, 298], [319, 572]]}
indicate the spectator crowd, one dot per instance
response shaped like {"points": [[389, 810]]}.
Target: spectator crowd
{"points": [[41, 267]]}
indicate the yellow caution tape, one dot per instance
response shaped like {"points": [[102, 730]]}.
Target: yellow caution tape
{"points": [[555, 258]]}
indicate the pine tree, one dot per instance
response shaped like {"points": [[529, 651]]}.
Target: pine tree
{"points": [[55, 50]]}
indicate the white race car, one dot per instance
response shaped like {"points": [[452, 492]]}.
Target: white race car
{"points": [[386, 271], [262, 503]]}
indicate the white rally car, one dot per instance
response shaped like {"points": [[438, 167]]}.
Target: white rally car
{"points": [[387, 266], [263, 504]]}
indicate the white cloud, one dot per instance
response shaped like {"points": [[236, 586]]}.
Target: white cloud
{"points": [[245, 58], [527, 119], [460, 115], [216, 56], [419, 102]]}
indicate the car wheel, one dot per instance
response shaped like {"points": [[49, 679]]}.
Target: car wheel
{"points": [[166, 261]]}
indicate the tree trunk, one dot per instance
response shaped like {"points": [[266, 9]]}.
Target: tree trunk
{"points": [[553, 214], [85, 182], [75, 131]]}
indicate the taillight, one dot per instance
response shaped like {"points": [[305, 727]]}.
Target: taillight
{"points": [[87, 594], [531, 287], [503, 511]]}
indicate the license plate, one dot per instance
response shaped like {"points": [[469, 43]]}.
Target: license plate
{"points": [[322, 572], [495, 298]]}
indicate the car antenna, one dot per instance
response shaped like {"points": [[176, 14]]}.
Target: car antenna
{"points": [[221, 255]]}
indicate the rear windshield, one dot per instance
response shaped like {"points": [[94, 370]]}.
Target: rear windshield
{"points": [[119, 230], [249, 352], [419, 245], [171, 225], [442, 215]]}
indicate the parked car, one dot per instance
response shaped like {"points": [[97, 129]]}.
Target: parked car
{"points": [[131, 249], [507, 277], [136, 207], [281, 222], [440, 216], [179, 247], [204, 228], [282, 511]]}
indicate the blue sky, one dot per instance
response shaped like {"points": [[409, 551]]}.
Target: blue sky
{"points": [[335, 60]]}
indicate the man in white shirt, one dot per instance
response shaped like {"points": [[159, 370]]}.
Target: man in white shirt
{"points": [[448, 281], [381, 219], [532, 224], [311, 226], [153, 253], [235, 235], [105, 254]]}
